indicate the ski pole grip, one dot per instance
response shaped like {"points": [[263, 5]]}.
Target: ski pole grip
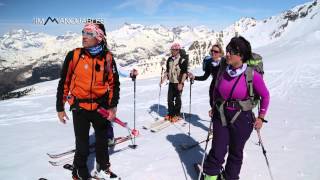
{"points": [[104, 113], [135, 132]]}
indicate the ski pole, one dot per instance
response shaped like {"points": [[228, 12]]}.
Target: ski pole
{"points": [[264, 153], [134, 110], [160, 91], [205, 149], [191, 82]]}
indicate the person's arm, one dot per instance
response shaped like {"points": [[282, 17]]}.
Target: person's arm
{"points": [[184, 70], [260, 88], [205, 76], [63, 87], [114, 86], [64, 82]]}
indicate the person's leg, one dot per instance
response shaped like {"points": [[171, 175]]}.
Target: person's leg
{"points": [[171, 99], [240, 132], [81, 131], [101, 127], [213, 163], [177, 101], [110, 135]]}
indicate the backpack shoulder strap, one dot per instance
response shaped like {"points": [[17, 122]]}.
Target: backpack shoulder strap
{"points": [[76, 58], [108, 61], [107, 66], [249, 80]]}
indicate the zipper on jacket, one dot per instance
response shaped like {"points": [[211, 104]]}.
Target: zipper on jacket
{"points": [[91, 80]]}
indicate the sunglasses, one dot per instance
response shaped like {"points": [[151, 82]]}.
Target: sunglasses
{"points": [[89, 34], [215, 51], [232, 51]]}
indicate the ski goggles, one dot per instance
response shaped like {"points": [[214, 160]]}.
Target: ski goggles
{"points": [[89, 34]]}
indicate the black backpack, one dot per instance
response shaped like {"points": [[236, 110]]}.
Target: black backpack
{"points": [[206, 62]]}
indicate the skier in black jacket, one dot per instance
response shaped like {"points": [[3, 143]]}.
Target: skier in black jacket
{"points": [[211, 68]]}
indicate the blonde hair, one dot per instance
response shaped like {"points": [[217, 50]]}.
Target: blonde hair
{"points": [[220, 48]]}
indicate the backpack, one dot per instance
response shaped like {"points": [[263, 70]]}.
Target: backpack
{"points": [[253, 64], [184, 55], [206, 62]]}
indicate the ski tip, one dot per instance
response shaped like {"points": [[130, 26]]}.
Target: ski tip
{"points": [[53, 163], [133, 146], [50, 155], [68, 166]]}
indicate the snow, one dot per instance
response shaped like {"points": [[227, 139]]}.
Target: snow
{"points": [[29, 127]]}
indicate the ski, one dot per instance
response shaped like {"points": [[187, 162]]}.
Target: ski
{"points": [[154, 124], [92, 150], [118, 140], [63, 161], [112, 175], [161, 126], [166, 124], [58, 155]]}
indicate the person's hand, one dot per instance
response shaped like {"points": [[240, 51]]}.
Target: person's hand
{"points": [[161, 81], [210, 113], [134, 73], [191, 76], [63, 117], [180, 87], [258, 123], [112, 113]]}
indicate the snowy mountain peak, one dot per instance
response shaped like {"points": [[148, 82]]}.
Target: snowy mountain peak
{"points": [[129, 26], [202, 28], [144, 46], [247, 21], [240, 26], [301, 11], [181, 29]]}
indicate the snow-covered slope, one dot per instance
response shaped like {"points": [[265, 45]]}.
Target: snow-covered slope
{"points": [[29, 127]]}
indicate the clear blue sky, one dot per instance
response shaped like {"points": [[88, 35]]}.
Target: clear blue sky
{"points": [[214, 14]]}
